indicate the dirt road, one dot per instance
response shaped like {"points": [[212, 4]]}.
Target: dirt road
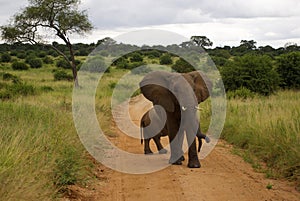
{"points": [[223, 176]]}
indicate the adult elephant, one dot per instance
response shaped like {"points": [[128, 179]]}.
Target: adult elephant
{"points": [[179, 95], [153, 127]]}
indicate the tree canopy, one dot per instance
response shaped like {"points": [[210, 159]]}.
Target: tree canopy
{"points": [[43, 17]]}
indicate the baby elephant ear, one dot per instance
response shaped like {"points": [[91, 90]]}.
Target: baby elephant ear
{"points": [[202, 85], [154, 87]]}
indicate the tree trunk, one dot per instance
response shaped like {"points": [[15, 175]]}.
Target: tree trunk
{"points": [[73, 65]]}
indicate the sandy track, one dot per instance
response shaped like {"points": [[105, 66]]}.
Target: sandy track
{"points": [[223, 176]]}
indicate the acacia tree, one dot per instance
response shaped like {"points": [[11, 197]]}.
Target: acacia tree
{"points": [[43, 17], [202, 41]]}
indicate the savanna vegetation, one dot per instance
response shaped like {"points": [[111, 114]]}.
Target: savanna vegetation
{"points": [[40, 153]]}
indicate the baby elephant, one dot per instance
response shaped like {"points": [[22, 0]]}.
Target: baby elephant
{"points": [[148, 133]]}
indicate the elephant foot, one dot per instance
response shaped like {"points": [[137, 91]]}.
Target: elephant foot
{"points": [[148, 152], [194, 164], [182, 158], [179, 161], [162, 151], [207, 139]]}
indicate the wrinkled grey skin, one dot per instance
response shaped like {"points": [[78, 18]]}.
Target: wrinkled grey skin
{"points": [[151, 117], [179, 95]]}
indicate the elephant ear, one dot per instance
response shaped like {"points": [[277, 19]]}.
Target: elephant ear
{"points": [[154, 87], [202, 85]]}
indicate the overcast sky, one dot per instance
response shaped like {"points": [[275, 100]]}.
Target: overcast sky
{"points": [[224, 22]]}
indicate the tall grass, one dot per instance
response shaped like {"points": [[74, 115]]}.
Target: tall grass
{"points": [[269, 129], [39, 152]]}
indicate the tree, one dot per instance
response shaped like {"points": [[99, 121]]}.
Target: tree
{"points": [[60, 17], [201, 41], [249, 44], [254, 72], [288, 66]]}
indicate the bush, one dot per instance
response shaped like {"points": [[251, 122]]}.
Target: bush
{"points": [[62, 75], [19, 66], [241, 93], [182, 66], [121, 63], [95, 64], [153, 54], [136, 57], [8, 76], [67, 167], [35, 63], [41, 54], [288, 66], [5, 57], [253, 72], [48, 60], [166, 59], [62, 63], [15, 90], [21, 55]]}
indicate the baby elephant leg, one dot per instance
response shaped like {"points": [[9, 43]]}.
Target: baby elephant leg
{"points": [[147, 149], [159, 146]]}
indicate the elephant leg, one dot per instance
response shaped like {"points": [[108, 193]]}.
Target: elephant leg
{"points": [[147, 149], [159, 146], [193, 156], [176, 141]]}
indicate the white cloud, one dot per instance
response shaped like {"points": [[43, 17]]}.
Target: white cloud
{"points": [[224, 22]]}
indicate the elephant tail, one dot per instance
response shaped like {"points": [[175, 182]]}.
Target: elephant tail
{"points": [[141, 130]]}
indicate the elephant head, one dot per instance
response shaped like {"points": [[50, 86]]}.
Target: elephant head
{"points": [[179, 95]]}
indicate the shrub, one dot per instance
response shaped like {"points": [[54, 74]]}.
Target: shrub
{"points": [[121, 63], [136, 57], [19, 66], [35, 63], [41, 54], [288, 66], [182, 66], [241, 93], [62, 75], [67, 167], [153, 54], [8, 76], [48, 60], [165, 59], [21, 55], [5, 57], [253, 72], [95, 64], [15, 90], [62, 63]]}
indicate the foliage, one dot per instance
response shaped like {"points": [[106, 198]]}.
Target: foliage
{"points": [[61, 17], [182, 66], [16, 89], [35, 63], [136, 57], [288, 66], [166, 59], [62, 75], [17, 65], [253, 72], [48, 60], [5, 57], [62, 63], [241, 93], [201, 41], [272, 139], [95, 64], [32, 145]]}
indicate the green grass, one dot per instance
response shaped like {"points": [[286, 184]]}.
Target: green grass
{"points": [[40, 152], [268, 128]]}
